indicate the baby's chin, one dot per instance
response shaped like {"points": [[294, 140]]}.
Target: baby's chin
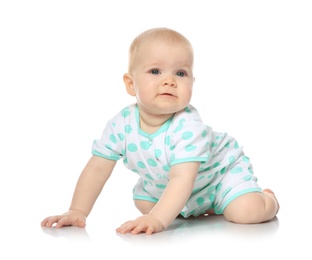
{"points": [[162, 107]]}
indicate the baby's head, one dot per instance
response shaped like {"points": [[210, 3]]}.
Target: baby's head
{"points": [[160, 72], [163, 35]]}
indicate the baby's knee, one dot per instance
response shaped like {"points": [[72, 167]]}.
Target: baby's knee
{"points": [[246, 209]]}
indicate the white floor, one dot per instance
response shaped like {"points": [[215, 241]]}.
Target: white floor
{"points": [[288, 235], [61, 67]]}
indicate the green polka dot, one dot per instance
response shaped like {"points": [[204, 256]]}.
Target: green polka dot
{"points": [[223, 170], [214, 144], [132, 147], [152, 162], [236, 169], [108, 147], [236, 146], [247, 177], [227, 145], [212, 196], [166, 168], [114, 124], [141, 165], [187, 135], [145, 145], [160, 176], [172, 147], [204, 133], [208, 168], [231, 159], [113, 138], [201, 177], [121, 137], [200, 201], [167, 140], [187, 110], [157, 153], [196, 190], [190, 148], [125, 112], [245, 159], [250, 170], [211, 189], [218, 187], [216, 164], [161, 186], [183, 214], [128, 129], [149, 176], [178, 128]]}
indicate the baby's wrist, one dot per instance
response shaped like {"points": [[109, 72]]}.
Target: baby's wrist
{"points": [[160, 220], [77, 211]]}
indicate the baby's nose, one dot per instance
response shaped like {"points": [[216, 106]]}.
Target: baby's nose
{"points": [[169, 81]]}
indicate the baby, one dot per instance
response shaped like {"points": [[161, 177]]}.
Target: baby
{"points": [[185, 168]]}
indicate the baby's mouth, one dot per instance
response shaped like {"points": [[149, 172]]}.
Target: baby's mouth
{"points": [[167, 94]]}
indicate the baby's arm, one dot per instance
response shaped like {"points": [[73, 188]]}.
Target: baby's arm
{"points": [[89, 186], [172, 201]]}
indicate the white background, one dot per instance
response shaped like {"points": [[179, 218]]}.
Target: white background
{"points": [[61, 67]]}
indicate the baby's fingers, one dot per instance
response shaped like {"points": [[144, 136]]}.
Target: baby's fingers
{"points": [[44, 222], [70, 221], [135, 228], [126, 227], [50, 221], [143, 227], [62, 221]]}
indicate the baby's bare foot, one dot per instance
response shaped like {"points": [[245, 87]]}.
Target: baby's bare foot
{"points": [[273, 195]]}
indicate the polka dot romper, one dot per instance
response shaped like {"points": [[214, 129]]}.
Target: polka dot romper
{"points": [[224, 174]]}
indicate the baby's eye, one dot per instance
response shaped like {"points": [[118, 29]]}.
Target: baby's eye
{"points": [[181, 73], [154, 71]]}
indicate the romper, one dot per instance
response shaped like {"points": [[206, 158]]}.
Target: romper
{"points": [[224, 173]]}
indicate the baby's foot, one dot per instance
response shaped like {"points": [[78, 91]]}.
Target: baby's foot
{"points": [[273, 195]]}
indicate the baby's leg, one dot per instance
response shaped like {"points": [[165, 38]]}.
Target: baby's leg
{"points": [[255, 207], [144, 206]]}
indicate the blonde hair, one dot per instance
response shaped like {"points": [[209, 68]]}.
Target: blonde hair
{"points": [[164, 34]]}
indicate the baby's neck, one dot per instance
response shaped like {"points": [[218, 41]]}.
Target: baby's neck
{"points": [[151, 123]]}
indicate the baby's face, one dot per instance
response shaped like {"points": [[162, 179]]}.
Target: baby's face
{"points": [[162, 77]]}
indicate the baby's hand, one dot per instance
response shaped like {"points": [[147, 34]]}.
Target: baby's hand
{"points": [[147, 224], [70, 218]]}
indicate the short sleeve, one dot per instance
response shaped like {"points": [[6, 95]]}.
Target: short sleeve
{"points": [[189, 139], [111, 144]]}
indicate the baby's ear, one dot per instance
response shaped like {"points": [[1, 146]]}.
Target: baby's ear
{"points": [[127, 78]]}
